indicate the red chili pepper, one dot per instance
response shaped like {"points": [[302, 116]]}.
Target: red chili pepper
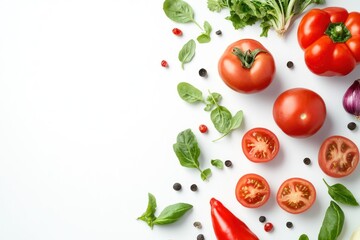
{"points": [[226, 225]]}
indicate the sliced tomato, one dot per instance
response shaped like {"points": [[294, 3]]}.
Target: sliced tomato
{"points": [[338, 156], [296, 195], [252, 190], [260, 145]]}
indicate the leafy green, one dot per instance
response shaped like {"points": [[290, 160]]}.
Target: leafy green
{"points": [[341, 194], [187, 52], [333, 223], [170, 214], [303, 237], [276, 14], [212, 100], [188, 152], [189, 93], [217, 163], [205, 36]]}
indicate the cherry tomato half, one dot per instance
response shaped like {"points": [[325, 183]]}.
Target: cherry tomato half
{"points": [[246, 66], [296, 195], [260, 145], [338, 156], [299, 112], [252, 190]]}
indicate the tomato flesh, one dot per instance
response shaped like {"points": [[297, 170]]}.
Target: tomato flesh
{"points": [[260, 145], [252, 190], [296, 195], [338, 156]]}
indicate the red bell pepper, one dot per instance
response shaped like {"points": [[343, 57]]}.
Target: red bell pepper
{"points": [[226, 225], [330, 38]]}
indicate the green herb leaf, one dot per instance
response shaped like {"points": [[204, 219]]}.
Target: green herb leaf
{"points": [[189, 93], [217, 5], [187, 52], [217, 163], [149, 215], [205, 36], [172, 213], [341, 194], [333, 223], [236, 120], [212, 100], [206, 174], [303, 237], [179, 11], [221, 118]]}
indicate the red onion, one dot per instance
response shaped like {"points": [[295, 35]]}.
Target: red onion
{"points": [[351, 99]]}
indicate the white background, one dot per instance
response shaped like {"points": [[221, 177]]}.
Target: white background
{"points": [[88, 118]]}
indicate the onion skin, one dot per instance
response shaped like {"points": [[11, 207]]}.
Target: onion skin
{"points": [[351, 99]]}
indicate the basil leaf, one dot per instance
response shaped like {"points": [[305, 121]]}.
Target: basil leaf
{"points": [[186, 149], [333, 223], [178, 11], [217, 163], [207, 28], [221, 118], [206, 174], [172, 213], [212, 100], [189, 93], [341, 194], [303, 237], [187, 52], [236, 120], [149, 215], [203, 38]]}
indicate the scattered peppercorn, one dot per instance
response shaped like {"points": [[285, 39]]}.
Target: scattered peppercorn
{"points": [[177, 31], [164, 63], [290, 64], [307, 161], [351, 125], [262, 219], [177, 186], [228, 163], [197, 225], [200, 237], [268, 227], [193, 187], [218, 32], [202, 72], [289, 224], [203, 128]]}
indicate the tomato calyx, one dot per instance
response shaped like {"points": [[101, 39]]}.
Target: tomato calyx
{"points": [[338, 32], [247, 58]]}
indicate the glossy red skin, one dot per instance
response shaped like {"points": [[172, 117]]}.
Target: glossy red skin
{"points": [[308, 201], [244, 80], [262, 188], [326, 164], [323, 56], [226, 225], [260, 136], [299, 112]]}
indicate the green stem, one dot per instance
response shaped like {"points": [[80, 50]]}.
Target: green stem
{"points": [[247, 58]]}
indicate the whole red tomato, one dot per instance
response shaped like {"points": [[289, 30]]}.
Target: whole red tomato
{"points": [[299, 112], [331, 40], [246, 66]]}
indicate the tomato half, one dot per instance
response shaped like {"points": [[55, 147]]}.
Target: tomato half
{"points": [[296, 195], [246, 66], [252, 190], [260, 145], [299, 112], [338, 156]]}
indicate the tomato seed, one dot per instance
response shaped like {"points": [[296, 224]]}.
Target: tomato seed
{"points": [[203, 128], [218, 32], [262, 219], [177, 186], [164, 63], [307, 161], [268, 227], [290, 64], [177, 31], [351, 126], [193, 187], [200, 237], [228, 163], [289, 225], [202, 72]]}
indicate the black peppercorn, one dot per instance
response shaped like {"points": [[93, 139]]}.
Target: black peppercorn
{"points": [[218, 32], [202, 72], [290, 64], [197, 225], [200, 237], [177, 186], [193, 187], [228, 163], [351, 125], [289, 224], [307, 161], [262, 219]]}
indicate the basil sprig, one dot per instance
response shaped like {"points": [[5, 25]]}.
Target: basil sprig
{"points": [[221, 117], [333, 223], [170, 214], [187, 151], [341, 194]]}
